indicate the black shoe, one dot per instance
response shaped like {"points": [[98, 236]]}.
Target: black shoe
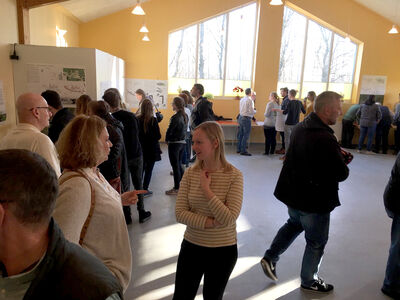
{"points": [[394, 295], [144, 216], [269, 268], [245, 153], [147, 194], [265, 153], [319, 286]]}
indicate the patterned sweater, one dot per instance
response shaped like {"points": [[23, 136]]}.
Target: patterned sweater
{"points": [[193, 208]]}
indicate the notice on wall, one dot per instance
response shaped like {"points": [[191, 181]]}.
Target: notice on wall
{"points": [[155, 90], [3, 113], [373, 85], [68, 82]]}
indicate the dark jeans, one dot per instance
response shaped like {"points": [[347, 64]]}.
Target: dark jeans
{"points": [[347, 133], [148, 166], [187, 150], [382, 138], [216, 264], [244, 133], [363, 133], [397, 137], [270, 140], [136, 169], [175, 152], [316, 227], [392, 276]]}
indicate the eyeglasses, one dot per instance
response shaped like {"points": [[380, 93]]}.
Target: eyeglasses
{"points": [[46, 107]]}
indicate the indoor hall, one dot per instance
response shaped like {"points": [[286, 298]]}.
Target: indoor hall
{"points": [[355, 256]]}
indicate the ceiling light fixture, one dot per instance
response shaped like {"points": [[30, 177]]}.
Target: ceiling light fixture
{"points": [[276, 2], [393, 30], [138, 10], [144, 29], [146, 38]]}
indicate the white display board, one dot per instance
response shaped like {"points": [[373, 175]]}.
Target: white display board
{"points": [[156, 90], [373, 85], [69, 82]]}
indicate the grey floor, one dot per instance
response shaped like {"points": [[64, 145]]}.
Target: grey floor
{"points": [[354, 260]]}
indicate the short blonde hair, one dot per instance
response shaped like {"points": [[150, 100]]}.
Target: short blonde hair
{"points": [[214, 132], [78, 145]]}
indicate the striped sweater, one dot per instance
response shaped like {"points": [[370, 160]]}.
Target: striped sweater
{"points": [[193, 208]]}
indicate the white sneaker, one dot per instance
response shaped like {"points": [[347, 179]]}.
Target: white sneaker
{"points": [[359, 151]]}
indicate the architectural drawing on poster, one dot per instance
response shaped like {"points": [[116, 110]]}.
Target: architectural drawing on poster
{"points": [[3, 112], [156, 90], [69, 82], [373, 85]]}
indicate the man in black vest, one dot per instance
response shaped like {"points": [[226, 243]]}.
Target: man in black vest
{"points": [[308, 185], [202, 110], [36, 261]]}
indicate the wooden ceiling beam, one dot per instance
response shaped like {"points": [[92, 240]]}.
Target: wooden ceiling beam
{"points": [[23, 7]]}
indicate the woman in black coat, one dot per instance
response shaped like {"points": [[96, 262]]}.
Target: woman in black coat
{"points": [[149, 136]]}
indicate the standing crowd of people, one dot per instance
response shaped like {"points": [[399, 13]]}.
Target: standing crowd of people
{"points": [[64, 234]]}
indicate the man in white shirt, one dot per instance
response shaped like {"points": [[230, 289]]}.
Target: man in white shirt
{"points": [[34, 115], [246, 112]]}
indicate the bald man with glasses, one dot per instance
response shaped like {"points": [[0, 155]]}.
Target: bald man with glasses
{"points": [[33, 115]]}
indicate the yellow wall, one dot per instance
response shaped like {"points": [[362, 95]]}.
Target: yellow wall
{"points": [[8, 35], [43, 21], [118, 34]]}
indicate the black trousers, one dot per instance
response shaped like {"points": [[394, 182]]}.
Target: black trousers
{"points": [[382, 138], [175, 153], [216, 264], [282, 133], [148, 166], [397, 138], [347, 133], [270, 140]]}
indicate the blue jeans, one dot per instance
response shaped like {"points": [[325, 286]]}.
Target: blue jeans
{"points": [[244, 133], [316, 227], [363, 132], [392, 277]]}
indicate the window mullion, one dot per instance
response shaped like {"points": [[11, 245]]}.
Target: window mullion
{"points": [[226, 53], [304, 59], [330, 61], [197, 54]]}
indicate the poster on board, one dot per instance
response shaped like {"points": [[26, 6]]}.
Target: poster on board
{"points": [[68, 82], [373, 85], [156, 90], [3, 113]]}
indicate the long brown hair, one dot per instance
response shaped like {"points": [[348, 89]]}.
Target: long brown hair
{"points": [[146, 113], [82, 104], [180, 107]]}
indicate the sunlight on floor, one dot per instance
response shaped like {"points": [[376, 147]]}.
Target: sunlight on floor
{"points": [[278, 291], [162, 243], [158, 293], [242, 224], [156, 273]]}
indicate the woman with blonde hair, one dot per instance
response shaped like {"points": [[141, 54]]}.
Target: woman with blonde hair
{"points": [[88, 209], [209, 202], [82, 105]]}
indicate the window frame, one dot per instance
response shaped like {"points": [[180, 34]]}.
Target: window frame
{"points": [[332, 40], [225, 59]]}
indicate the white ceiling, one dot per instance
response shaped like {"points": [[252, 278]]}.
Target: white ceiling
{"points": [[87, 10]]}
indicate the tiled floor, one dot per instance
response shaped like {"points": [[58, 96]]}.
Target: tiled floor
{"points": [[355, 257]]}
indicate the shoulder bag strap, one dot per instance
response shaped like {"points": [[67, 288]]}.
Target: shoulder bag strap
{"points": [[92, 201]]}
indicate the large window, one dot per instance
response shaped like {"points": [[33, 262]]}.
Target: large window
{"points": [[217, 53], [314, 58]]}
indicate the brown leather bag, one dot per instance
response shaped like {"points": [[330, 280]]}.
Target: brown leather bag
{"points": [[92, 199]]}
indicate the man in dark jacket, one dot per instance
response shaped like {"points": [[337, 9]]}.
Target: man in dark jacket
{"points": [[61, 115], [133, 150], [36, 261], [202, 110], [391, 196], [308, 185], [382, 130]]}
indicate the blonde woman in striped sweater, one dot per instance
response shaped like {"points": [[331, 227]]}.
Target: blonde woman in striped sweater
{"points": [[209, 202]]}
